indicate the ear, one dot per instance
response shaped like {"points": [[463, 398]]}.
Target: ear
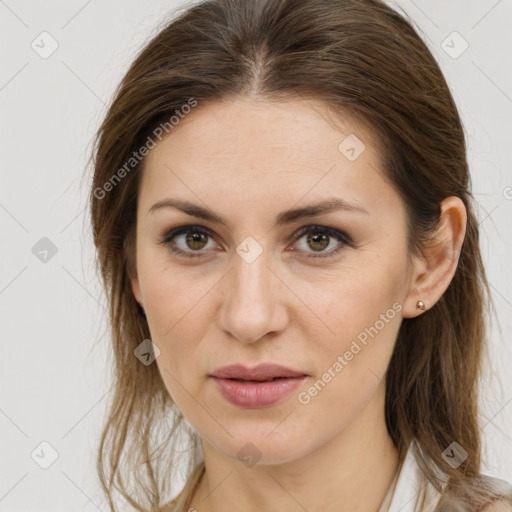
{"points": [[134, 283], [434, 270], [129, 248]]}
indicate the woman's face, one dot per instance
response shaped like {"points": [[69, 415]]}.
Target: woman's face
{"points": [[254, 290]]}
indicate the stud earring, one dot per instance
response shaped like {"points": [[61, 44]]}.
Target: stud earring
{"points": [[420, 305]]}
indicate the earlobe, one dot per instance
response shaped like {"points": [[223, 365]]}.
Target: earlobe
{"points": [[434, 272]]}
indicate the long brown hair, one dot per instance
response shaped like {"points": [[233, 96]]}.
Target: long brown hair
{"points": [[359, 56]]}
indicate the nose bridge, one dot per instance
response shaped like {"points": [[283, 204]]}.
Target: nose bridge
{"points": [[251, 308]]}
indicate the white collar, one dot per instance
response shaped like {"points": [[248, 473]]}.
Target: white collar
{"points": [[410, 483], [405, 495]]}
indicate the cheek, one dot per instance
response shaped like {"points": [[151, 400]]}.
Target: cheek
{"points": [[349, 301], [179, 314], [360, 317], [175, 300]]}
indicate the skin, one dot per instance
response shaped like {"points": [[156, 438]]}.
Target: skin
{"points": [[249, 160]]}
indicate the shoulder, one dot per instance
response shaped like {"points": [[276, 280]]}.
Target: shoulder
{"points": [[502, 488], [498, 506], [504, 505], [170, 506]]}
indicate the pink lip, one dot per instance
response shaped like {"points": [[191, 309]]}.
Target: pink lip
{"points": [[262, 371], [253, 393]]}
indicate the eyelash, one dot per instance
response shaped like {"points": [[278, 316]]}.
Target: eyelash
{"points": [[340, 236]]}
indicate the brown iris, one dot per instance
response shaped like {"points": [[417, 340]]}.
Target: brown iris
{"points": [[320, 241], [197, 238]]}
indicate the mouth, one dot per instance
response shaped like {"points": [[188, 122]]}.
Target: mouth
{"points": [[261, 386], [260, 373], [257, 380]]}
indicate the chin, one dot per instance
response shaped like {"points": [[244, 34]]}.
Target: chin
{"points": [[253, 445]]}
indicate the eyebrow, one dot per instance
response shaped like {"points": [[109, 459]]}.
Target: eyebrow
{"points": [[287, 217]]}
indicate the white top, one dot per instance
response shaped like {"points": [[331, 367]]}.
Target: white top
{"points": [[406, 486], [409, 484]]}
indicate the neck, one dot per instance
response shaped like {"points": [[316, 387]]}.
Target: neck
{"points": [[351, 472]]}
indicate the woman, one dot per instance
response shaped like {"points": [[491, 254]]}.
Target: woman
{"points": [[286, 235]]}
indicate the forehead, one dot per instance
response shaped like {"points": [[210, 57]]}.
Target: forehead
{"points": [[258, 151], [245, 127]]}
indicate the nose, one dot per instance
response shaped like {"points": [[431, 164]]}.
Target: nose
{"points": [[253, 305]]}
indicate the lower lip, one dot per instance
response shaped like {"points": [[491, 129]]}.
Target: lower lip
{"points": [[257, 394]]}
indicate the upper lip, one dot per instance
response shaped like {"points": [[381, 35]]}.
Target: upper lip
{"points": [[262, 371]]}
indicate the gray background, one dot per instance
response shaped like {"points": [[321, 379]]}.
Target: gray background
{"points": [[53, 347]]}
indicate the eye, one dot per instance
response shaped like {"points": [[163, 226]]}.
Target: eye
{"points": [[195, 239], [320, 237]]}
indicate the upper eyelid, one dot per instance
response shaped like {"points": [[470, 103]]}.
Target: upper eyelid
{"points": [[191, 227], [298, 233]]}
